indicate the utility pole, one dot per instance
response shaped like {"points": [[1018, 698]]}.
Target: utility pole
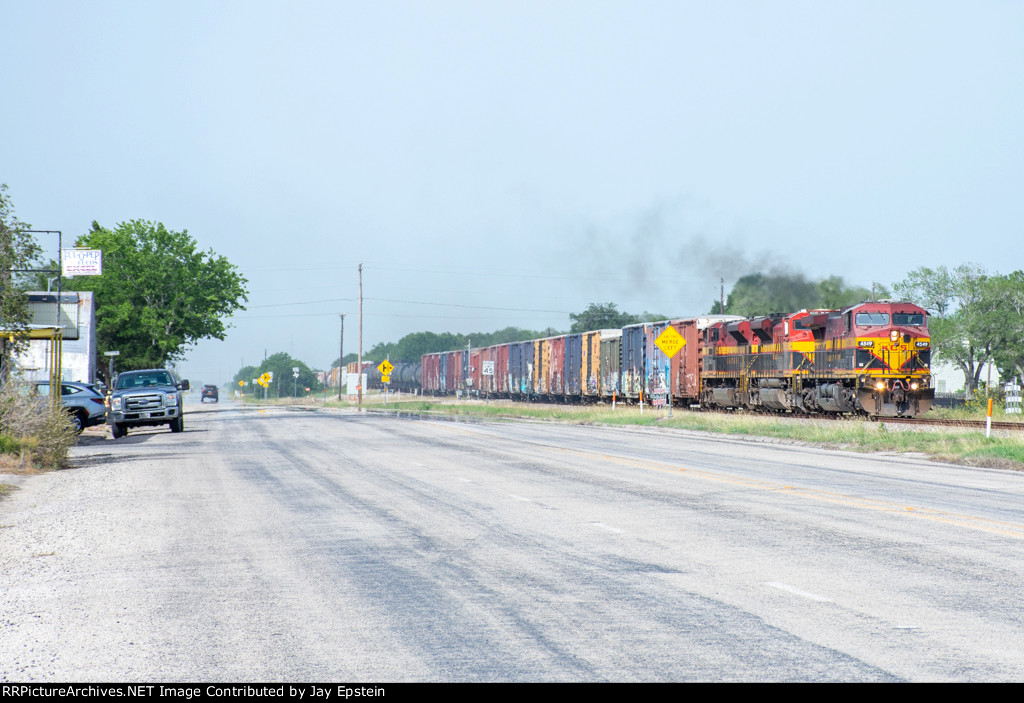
{"points": [[721, 295], [341, 352], [110, 377], [359, 384]]}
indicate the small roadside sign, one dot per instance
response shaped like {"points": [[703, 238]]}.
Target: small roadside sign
{"points": [[670, 341], [487, 368], [385, 367], [384, 378]]}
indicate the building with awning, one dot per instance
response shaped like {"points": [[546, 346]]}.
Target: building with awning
{"points": [[61, 338]]}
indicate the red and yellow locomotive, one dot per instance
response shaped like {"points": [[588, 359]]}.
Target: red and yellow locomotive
{"points": [[872, 358]]}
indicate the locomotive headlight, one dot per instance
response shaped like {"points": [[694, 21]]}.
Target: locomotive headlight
{"points": [[880, 386], [894, 335], [913, 385]]}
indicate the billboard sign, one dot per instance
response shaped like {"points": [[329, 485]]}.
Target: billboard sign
{"points": [[81, 262]]}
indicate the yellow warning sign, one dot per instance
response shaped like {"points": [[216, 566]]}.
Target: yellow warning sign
{"points": [[384, 378], [670, 341], [385, 368]]}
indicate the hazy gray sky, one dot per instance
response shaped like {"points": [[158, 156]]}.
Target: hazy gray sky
{"points": [[490, 162]]}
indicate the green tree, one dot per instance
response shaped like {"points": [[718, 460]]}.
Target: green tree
{"points": [[598, 317], [18, 250], [247, 374], [158, 294], [964, 321], [413, 346], [285, 384], [833, 293], [1008, 297], [762, 294]]}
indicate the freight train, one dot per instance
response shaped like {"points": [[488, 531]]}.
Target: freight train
{"points": [[872, 358]]}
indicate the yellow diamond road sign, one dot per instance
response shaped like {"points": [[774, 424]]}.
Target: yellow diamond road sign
{"points": [[670, 341], [385, 368]]}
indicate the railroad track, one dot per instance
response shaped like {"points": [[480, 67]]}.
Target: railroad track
{"points": [[966, 424]]}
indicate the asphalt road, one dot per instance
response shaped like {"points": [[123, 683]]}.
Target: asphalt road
{"points": [[289, 545]]}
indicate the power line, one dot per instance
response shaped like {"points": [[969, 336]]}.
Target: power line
{"points": [[461, 305], [303, 302]]}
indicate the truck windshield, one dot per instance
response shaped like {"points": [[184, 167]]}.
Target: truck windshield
{"points": [[144, 379]]}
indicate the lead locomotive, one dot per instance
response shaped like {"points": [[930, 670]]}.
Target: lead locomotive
{"points": [[871, 358]]}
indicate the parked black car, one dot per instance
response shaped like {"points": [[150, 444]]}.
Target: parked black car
{"points": [[209, 392], [83, 401]]}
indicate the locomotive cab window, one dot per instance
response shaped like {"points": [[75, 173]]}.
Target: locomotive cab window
{"points": [[872, 319], [910, 319]]}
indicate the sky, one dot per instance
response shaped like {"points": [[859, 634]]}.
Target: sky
{"points": [[508, 163]]}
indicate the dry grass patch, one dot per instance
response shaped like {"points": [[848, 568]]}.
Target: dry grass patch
{"points": [[34, 434], [962, 446]]}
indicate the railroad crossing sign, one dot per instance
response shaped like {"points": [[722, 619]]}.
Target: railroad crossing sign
{"points": [[385, 367], [670, 341]]}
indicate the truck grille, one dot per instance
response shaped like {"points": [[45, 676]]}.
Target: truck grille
{"points": [[142, 402]]}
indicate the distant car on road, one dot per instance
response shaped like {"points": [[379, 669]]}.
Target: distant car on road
{"points": [[85, 404], [209, 392]]}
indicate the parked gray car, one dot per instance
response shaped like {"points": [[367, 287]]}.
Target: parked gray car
{"points": [[148, 397], [83, 401]]}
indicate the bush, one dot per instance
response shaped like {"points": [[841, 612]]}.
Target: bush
{"points": [[30, 425]]}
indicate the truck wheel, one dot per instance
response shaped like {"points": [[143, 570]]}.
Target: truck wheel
{"points": [[178, 425], [117, 431]]}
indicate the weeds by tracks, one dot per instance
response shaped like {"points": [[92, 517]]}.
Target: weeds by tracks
{"points": [[954, 445]]}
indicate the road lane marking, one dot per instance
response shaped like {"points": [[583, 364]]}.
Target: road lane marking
{"points": [[797, 592], [1008, 529]]}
